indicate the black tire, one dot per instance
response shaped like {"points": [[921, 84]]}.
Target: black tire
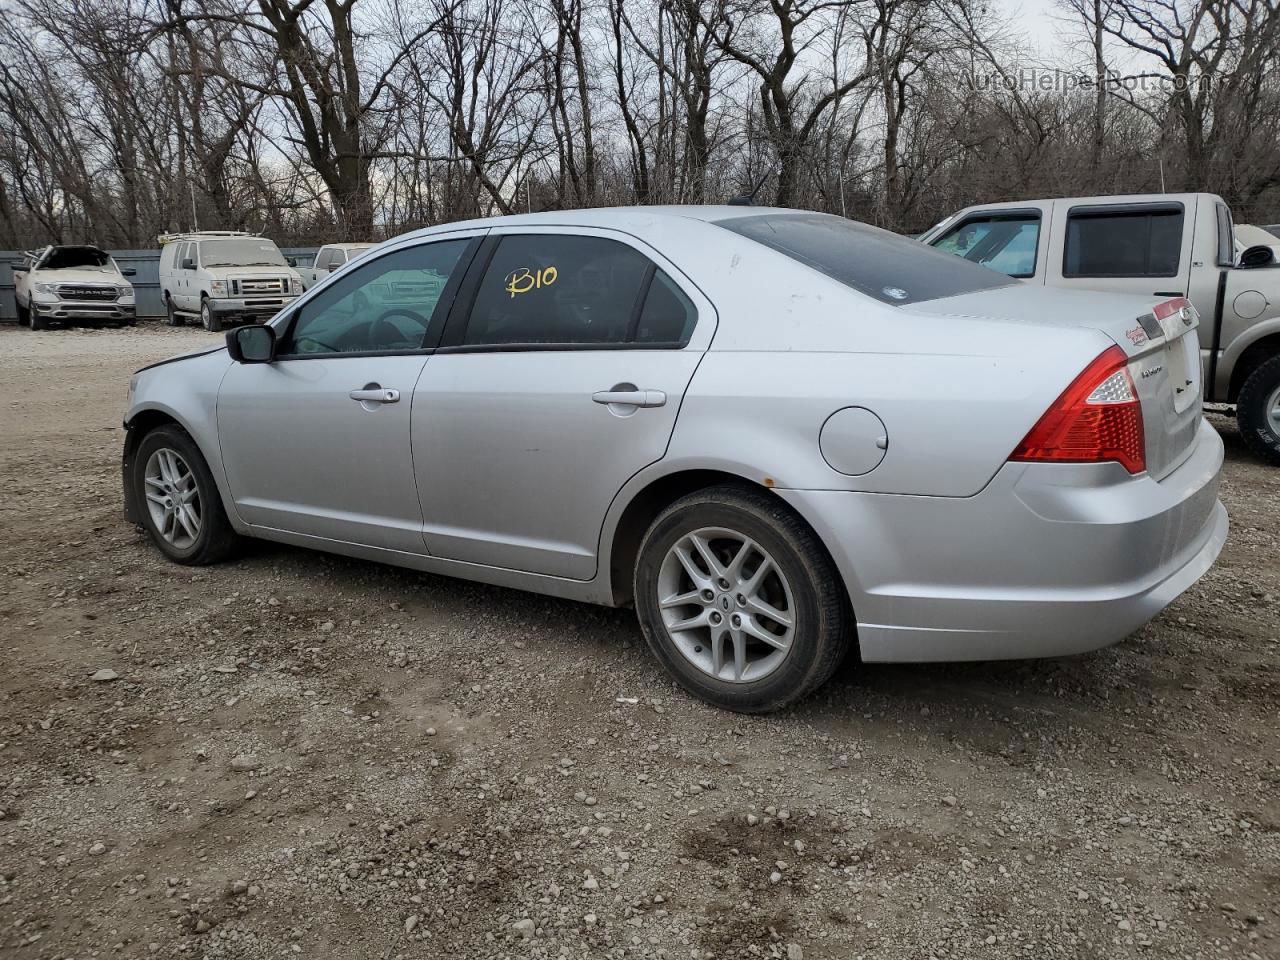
{"points": [[24, 314], [1253, 411], [171, 317], [209, 318], [216, 540], [823, 627], [37, 322]]}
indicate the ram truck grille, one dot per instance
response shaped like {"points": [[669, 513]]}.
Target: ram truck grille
{"points": [[67, 291]]}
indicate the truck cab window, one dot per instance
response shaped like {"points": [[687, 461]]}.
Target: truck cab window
{"points": [[1003, 242], [1132, 242]]}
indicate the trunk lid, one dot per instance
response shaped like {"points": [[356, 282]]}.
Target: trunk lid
{"points": [[1158, 336]]}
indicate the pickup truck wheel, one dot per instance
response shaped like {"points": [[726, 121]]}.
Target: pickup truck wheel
{"points": [[24, 314], [170, 315], [210, 320], [1258, 411], [37, 322]]}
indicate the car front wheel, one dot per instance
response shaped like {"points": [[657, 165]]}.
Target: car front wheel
{"points": [[1258, 411], [178, 499], [740, 601]]}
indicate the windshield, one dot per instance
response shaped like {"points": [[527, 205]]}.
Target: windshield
{"points": [[883, 265], [240, 252], [64, 258]]}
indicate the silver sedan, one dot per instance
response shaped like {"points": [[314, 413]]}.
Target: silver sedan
{"points": [[781, 436]]}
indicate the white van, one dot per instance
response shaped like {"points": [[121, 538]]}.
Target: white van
{"points": [[224, 277]]}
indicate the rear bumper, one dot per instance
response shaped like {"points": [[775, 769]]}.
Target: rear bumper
{"points": [[1048, 560]]}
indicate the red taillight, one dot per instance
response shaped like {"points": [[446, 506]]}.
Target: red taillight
{"points": [[1097, 418]]}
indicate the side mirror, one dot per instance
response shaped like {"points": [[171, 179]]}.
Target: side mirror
{"points": [[291, 261], [1258, 256], [252, 344], [128, 272], [188, 263], [334, 266]]}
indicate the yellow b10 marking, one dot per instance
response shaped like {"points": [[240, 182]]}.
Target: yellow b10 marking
{"points": [[522, 280]]}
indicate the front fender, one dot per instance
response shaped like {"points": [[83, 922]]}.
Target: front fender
{"points": [[184, 392]]}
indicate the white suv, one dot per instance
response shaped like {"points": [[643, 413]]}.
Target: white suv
{"points": [[224, 277]]}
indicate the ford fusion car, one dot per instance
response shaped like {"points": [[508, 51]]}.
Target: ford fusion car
{"points": [[781, 436]]}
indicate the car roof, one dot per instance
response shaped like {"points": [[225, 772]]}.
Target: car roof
{"points": [[617, 217]]}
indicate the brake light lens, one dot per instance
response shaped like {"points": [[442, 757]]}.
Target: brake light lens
{"points": [[1097, 419]]}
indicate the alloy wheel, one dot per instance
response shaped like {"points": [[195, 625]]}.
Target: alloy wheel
{"points": [[726, 604], [173, 498], [1272, 407]]}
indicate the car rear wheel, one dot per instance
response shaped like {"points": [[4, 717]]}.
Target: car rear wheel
{"points": [[209, 318], [178, 500], [170, 315], [1258, 411], [738, 599]]}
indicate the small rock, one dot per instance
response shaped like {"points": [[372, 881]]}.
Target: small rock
{"points": [[326, 627], [949, 801], [98, 849], [1125, 925], [244, 762], [410, 922], [239, 887], [104, 675], [794, 952], [524, 927], [589, 919], [591, 883]]}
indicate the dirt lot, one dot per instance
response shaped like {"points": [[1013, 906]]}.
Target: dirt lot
{"points": [[309, 755]]}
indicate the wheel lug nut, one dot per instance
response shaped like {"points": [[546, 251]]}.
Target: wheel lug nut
{"points": [[742, 601], [715, 617], [737, 620], [708, 595], [724, 584]]}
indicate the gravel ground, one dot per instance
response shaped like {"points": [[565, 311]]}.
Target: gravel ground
{"points": [[301, 754]]}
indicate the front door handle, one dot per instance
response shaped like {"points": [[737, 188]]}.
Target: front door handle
{"points": [[372, 393], [631, 398]]}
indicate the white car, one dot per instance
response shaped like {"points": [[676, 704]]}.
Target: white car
{"points": [[782, 436], [328, 259], [62, 284], [224, 277]]}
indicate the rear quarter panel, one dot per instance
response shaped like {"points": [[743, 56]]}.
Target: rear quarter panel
{"points": [[794, 346]]}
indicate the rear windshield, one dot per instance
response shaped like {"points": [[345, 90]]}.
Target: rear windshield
{"points": [[880, 264], [240, 252]]}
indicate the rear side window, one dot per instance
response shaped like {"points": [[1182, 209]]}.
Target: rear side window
{"points": [[880, 264], [1005, 242], [1145, 241], [548, 289]]}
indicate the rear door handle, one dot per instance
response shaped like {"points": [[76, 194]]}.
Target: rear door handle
{"points": [[631, 398], [375, 394]]}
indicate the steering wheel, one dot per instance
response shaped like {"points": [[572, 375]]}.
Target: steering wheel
{"points": [[382, 333]]}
